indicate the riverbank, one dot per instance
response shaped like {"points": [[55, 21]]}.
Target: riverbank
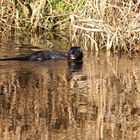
{"points": [[93, 24]]}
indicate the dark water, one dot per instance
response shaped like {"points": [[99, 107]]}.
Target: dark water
{"points": [[49, 101]]}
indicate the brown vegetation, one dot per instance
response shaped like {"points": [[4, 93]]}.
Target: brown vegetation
{"points": [[94, 24], [107, 24]]}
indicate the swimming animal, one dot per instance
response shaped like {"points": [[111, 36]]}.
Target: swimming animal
{"points": [[74, 54]]}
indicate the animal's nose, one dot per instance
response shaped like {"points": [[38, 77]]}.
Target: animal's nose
{"points": [[72, 56]]}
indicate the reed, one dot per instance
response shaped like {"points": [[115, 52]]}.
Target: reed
{"points": [[36, 15], [107, 24]]}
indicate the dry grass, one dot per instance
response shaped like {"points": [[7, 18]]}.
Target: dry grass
{"points": [[107, 24], [36, 15]]}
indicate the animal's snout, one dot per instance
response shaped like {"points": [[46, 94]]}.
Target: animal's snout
{"points": [[72, 56]]}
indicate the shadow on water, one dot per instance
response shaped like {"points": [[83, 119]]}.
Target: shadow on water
{"points": [[49, 101]]}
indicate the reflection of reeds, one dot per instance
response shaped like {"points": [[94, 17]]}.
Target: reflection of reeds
{"points": [[101, 102], [107, 24], [111, 90]]}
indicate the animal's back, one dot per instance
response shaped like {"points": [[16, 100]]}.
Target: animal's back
{"points": [[74, 54], [38, 56]]}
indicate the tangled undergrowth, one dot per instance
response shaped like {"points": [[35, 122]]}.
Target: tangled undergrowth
{"points": [[108, 24]]}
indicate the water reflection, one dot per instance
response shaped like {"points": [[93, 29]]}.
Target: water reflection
{"points": [[46, 101], [75, 66]]}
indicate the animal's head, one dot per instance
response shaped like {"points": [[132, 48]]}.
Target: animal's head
{"points": [[75, 54]]}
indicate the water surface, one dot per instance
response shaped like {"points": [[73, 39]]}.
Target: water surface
{"points": [[49, 101]]}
